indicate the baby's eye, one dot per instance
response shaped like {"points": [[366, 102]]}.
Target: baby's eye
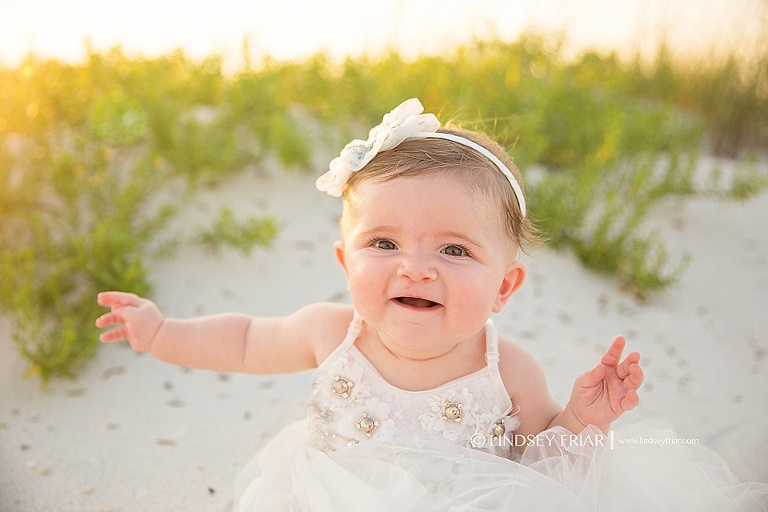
{"points": [[386, 245], [454, 250]]}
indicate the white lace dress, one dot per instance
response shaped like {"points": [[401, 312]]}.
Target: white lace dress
{"points": [[368, 445]]}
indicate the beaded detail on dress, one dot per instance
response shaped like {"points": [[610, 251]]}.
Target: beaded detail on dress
{"points": [[351, 403]]}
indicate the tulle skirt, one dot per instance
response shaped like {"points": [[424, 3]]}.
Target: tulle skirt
{"points": [[636, 467]]}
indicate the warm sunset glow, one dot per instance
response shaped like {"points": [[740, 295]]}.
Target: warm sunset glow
{"points": [[296, 28]]}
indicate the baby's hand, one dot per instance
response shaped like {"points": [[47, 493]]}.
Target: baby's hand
{"points": [[140, 319], [602, 394]]}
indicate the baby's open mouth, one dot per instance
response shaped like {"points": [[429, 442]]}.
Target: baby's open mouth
{"points": [[417, 302]]}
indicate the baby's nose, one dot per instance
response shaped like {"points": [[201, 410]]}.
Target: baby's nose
{"points": [[417, 268]]}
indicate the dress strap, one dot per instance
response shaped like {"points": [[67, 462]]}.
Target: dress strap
{"points": [[353, 331], [492, 359], [491, 344]]}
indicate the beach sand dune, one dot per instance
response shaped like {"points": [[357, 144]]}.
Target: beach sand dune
{"points": [[132, 433]]}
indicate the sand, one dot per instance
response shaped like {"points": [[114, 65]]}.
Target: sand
{"points": [[131, 433]]}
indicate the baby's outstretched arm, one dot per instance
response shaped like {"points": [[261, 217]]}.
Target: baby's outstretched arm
{"points": [[215, 342], [224, 342], [605, 392]]}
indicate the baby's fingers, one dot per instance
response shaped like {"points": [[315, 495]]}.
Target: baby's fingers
{"points": [[635, 376], [630, 401], [110, 299], [623, 369], [612, 356], [594, 376], [108, 319], [117, 334]]}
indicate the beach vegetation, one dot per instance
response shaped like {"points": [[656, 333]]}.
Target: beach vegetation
{"points": [[94, 156], [227, 231]]}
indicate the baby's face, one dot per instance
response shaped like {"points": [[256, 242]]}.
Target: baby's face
{"points": [[426, 260]]}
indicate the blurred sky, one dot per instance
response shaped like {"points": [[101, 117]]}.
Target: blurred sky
{"points": [[297, 28]]}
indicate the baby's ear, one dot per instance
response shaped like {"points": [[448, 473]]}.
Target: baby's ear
{"points": [[338, 249], [513, 280]]}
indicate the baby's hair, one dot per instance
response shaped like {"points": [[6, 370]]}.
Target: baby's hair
{"points": [[427, 156]]}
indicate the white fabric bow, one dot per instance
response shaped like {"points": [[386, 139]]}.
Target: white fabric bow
{"points": [[403, 122]]}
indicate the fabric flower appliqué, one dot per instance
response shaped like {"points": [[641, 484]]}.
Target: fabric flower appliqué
{"points": [[360, 422], [341, 385], [403, 122], [452, 414], [495, 425]]}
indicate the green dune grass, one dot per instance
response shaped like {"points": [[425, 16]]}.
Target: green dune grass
{"points": [[86, 151]]}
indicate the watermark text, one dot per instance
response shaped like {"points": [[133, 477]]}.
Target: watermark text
{"points": [[546, 439]]}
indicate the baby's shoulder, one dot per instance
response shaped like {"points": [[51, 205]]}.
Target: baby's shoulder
{"points": [[513, 355], [324, 325], [526, 385], [518, 367]]}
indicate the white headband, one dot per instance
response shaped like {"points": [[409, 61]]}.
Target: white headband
{"points": [[404, 122], [487, 154]]}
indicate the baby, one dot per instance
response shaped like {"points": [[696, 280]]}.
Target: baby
{"points": [[433, 219]]}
